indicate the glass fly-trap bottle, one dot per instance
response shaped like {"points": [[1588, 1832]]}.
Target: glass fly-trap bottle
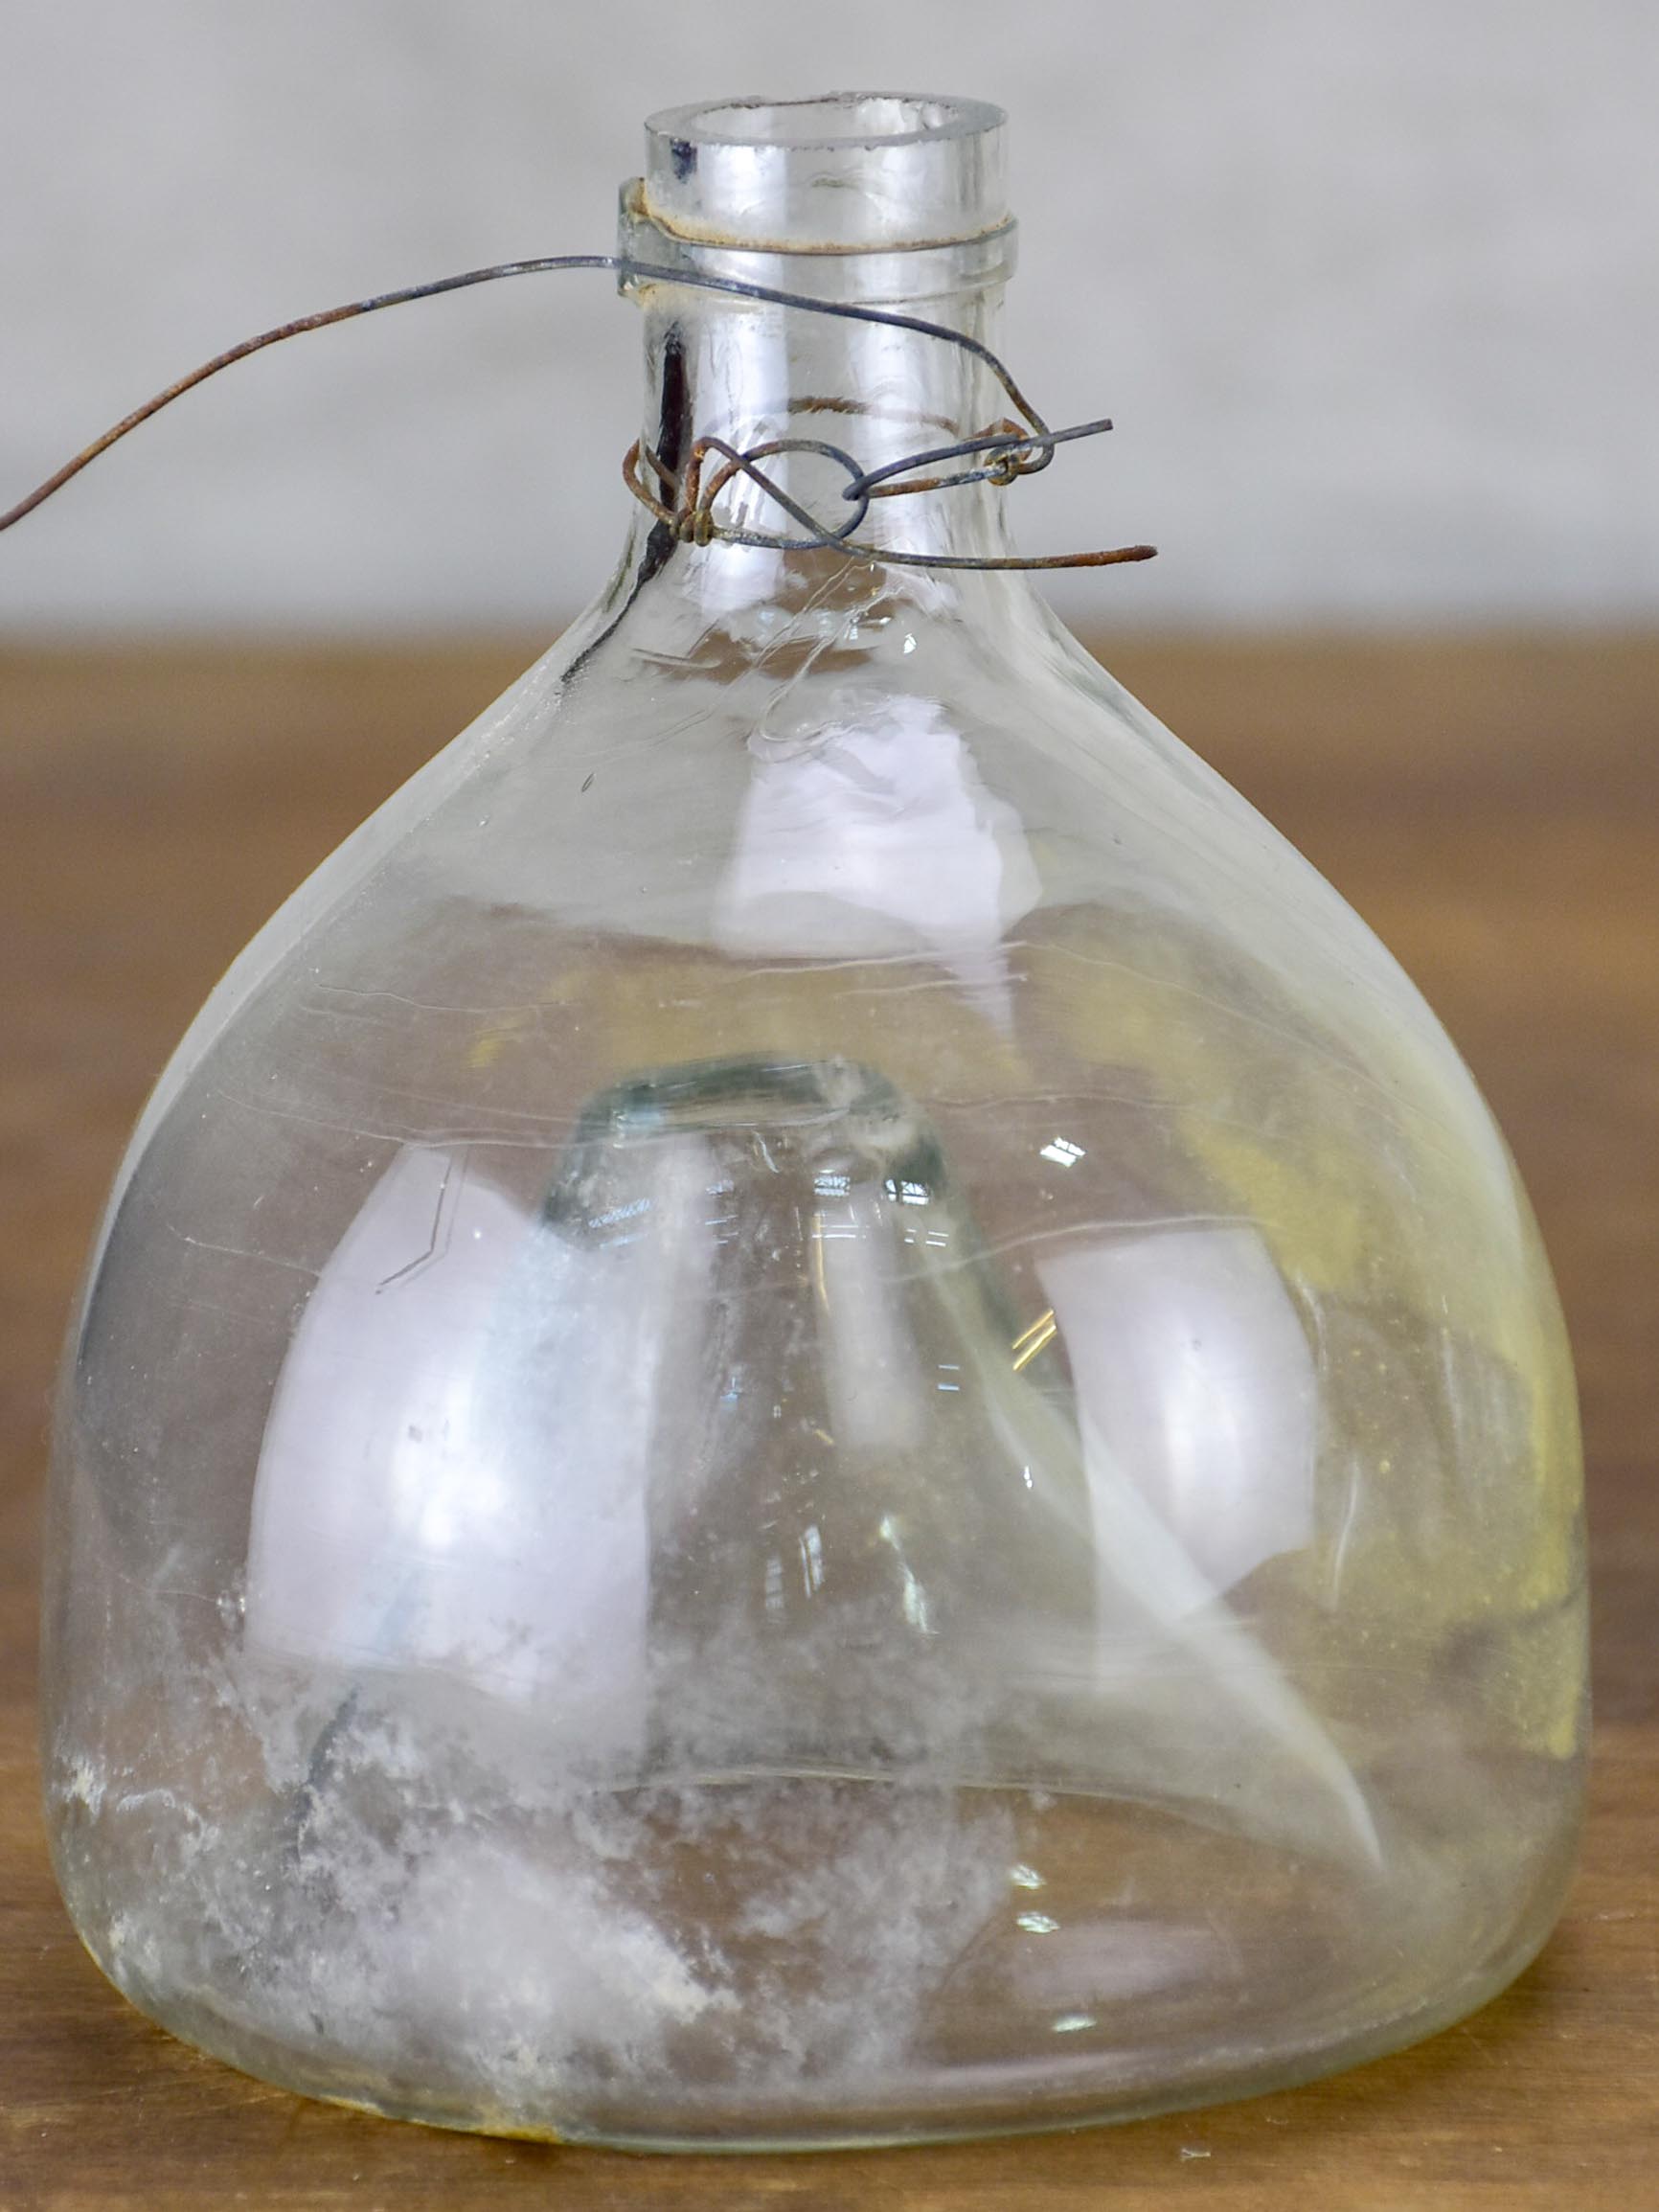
{"points": [[815, 1410]]}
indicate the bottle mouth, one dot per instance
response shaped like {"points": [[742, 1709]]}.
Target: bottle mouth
{"points": [[836, 120], [842, 172]]}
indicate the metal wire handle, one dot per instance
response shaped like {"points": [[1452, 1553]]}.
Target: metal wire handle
{"points": [[683, 500]]}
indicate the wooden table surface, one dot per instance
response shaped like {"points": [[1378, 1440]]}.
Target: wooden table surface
{"points": [[1492, 807]]}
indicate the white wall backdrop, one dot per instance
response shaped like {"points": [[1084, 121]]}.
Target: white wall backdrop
{"points": [[1371, 287]]}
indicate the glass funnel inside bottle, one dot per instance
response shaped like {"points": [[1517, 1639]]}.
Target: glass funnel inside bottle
{"points": [[815, 1410]]}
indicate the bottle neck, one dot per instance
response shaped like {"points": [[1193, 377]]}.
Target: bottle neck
{"points": [[751, 373]]}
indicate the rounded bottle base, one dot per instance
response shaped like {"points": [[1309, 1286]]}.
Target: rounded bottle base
{"points": [[809, 1962]]}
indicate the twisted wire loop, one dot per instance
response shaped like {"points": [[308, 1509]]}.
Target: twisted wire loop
{"points": [[683, 500]]}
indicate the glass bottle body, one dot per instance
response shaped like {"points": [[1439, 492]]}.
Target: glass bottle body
{"points": [[816, 1411]]}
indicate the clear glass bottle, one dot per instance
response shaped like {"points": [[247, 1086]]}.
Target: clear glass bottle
{"points": [[815, 1411]]}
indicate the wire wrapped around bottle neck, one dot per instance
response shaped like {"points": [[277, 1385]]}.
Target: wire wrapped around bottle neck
{"points": [[685, 499]]}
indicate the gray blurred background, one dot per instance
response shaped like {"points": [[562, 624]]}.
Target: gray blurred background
{"points": [[1372, 290]]}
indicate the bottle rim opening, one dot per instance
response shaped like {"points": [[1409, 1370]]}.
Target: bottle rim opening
{"points": [[832, 120], [840, 172]]}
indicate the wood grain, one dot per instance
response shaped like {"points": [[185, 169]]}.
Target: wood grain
{"points": [[1492, 807]]}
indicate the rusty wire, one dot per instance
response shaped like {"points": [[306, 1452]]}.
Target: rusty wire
{"points": [[683, 500]]}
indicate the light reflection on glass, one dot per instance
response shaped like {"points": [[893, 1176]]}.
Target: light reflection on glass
{"points": [[455, 1471], [1112, 1960], [872, 834], [1062, 1152], [1195, 1382]]}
